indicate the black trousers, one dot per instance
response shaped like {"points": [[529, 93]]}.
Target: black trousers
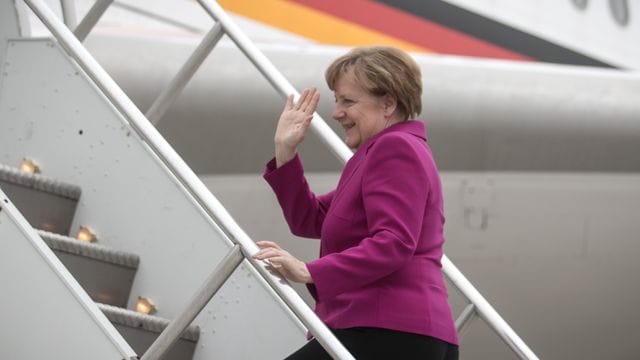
{"points": [[375, 343]]}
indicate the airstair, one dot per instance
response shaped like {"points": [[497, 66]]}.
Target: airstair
{"points": [[99, 216]]}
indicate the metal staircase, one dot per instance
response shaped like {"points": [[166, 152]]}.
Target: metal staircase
{"points": [[108, 275], [104, 273]]}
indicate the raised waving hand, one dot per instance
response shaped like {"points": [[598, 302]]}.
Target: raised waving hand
{"points": [[294, 123]]}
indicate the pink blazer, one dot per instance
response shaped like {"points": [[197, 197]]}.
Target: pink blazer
{"points": [[381, 233]]}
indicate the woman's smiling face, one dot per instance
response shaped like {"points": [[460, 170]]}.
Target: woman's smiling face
{"points": [[361, 114]]}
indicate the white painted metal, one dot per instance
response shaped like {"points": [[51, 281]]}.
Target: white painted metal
{"points": [[171, 92], [44, 310], [91, 18]]}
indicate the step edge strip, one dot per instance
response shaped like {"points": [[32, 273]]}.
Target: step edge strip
{"points": [[39, 182], [151, 323], [98, 252]]}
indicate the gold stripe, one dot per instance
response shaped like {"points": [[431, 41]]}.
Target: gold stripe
{"points": [[313, 24]]}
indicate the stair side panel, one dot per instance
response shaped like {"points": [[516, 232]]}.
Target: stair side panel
{"points": [[44, 310]]}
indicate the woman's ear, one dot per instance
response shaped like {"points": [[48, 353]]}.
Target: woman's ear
{"points": [[390, 104]]}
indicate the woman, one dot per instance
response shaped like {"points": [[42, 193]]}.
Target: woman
{"points": [[378, 282]]}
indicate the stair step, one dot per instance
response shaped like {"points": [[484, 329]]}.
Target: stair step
{"points": [[46, 203], [141, 330], [105, 274]]}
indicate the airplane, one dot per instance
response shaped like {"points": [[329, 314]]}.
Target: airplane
{"points": [[532, 111]]}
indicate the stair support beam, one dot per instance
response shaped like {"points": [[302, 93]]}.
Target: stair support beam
{"points": [[91, 19], [464, 320], [69, 13], [171, 92], [170, 335]]}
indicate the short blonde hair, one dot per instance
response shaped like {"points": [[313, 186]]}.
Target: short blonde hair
{"points": [[382, 70]]}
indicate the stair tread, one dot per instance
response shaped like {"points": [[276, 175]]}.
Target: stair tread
{"points": [[98, 252], [151, 323], [39, 182]]}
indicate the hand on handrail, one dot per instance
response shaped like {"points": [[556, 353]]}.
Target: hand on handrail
{"points": [[283, 262]]}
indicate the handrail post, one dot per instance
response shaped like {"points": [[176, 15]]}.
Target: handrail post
{"points": [[171, 92], [213, 283], [464, 320], [487, 312], [91, 19], [69, 13]]}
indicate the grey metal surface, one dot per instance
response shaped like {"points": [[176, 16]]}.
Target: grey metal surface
{"points": [[42, 209]]}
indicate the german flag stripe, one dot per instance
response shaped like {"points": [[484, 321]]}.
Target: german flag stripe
{"points": [[417, 30], [314, 24], [492, 31], [413, 25]]}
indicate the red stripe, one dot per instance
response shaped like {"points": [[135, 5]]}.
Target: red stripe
{"points": [[411, 28]]}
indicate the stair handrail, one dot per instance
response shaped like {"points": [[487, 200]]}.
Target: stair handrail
{"points": [[185, 175]]}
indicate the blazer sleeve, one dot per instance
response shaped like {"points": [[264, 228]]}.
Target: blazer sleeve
{"points": [[395, 190], [302, 209]]}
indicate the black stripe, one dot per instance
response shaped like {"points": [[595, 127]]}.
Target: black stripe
{"points": [[493, 31]]}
